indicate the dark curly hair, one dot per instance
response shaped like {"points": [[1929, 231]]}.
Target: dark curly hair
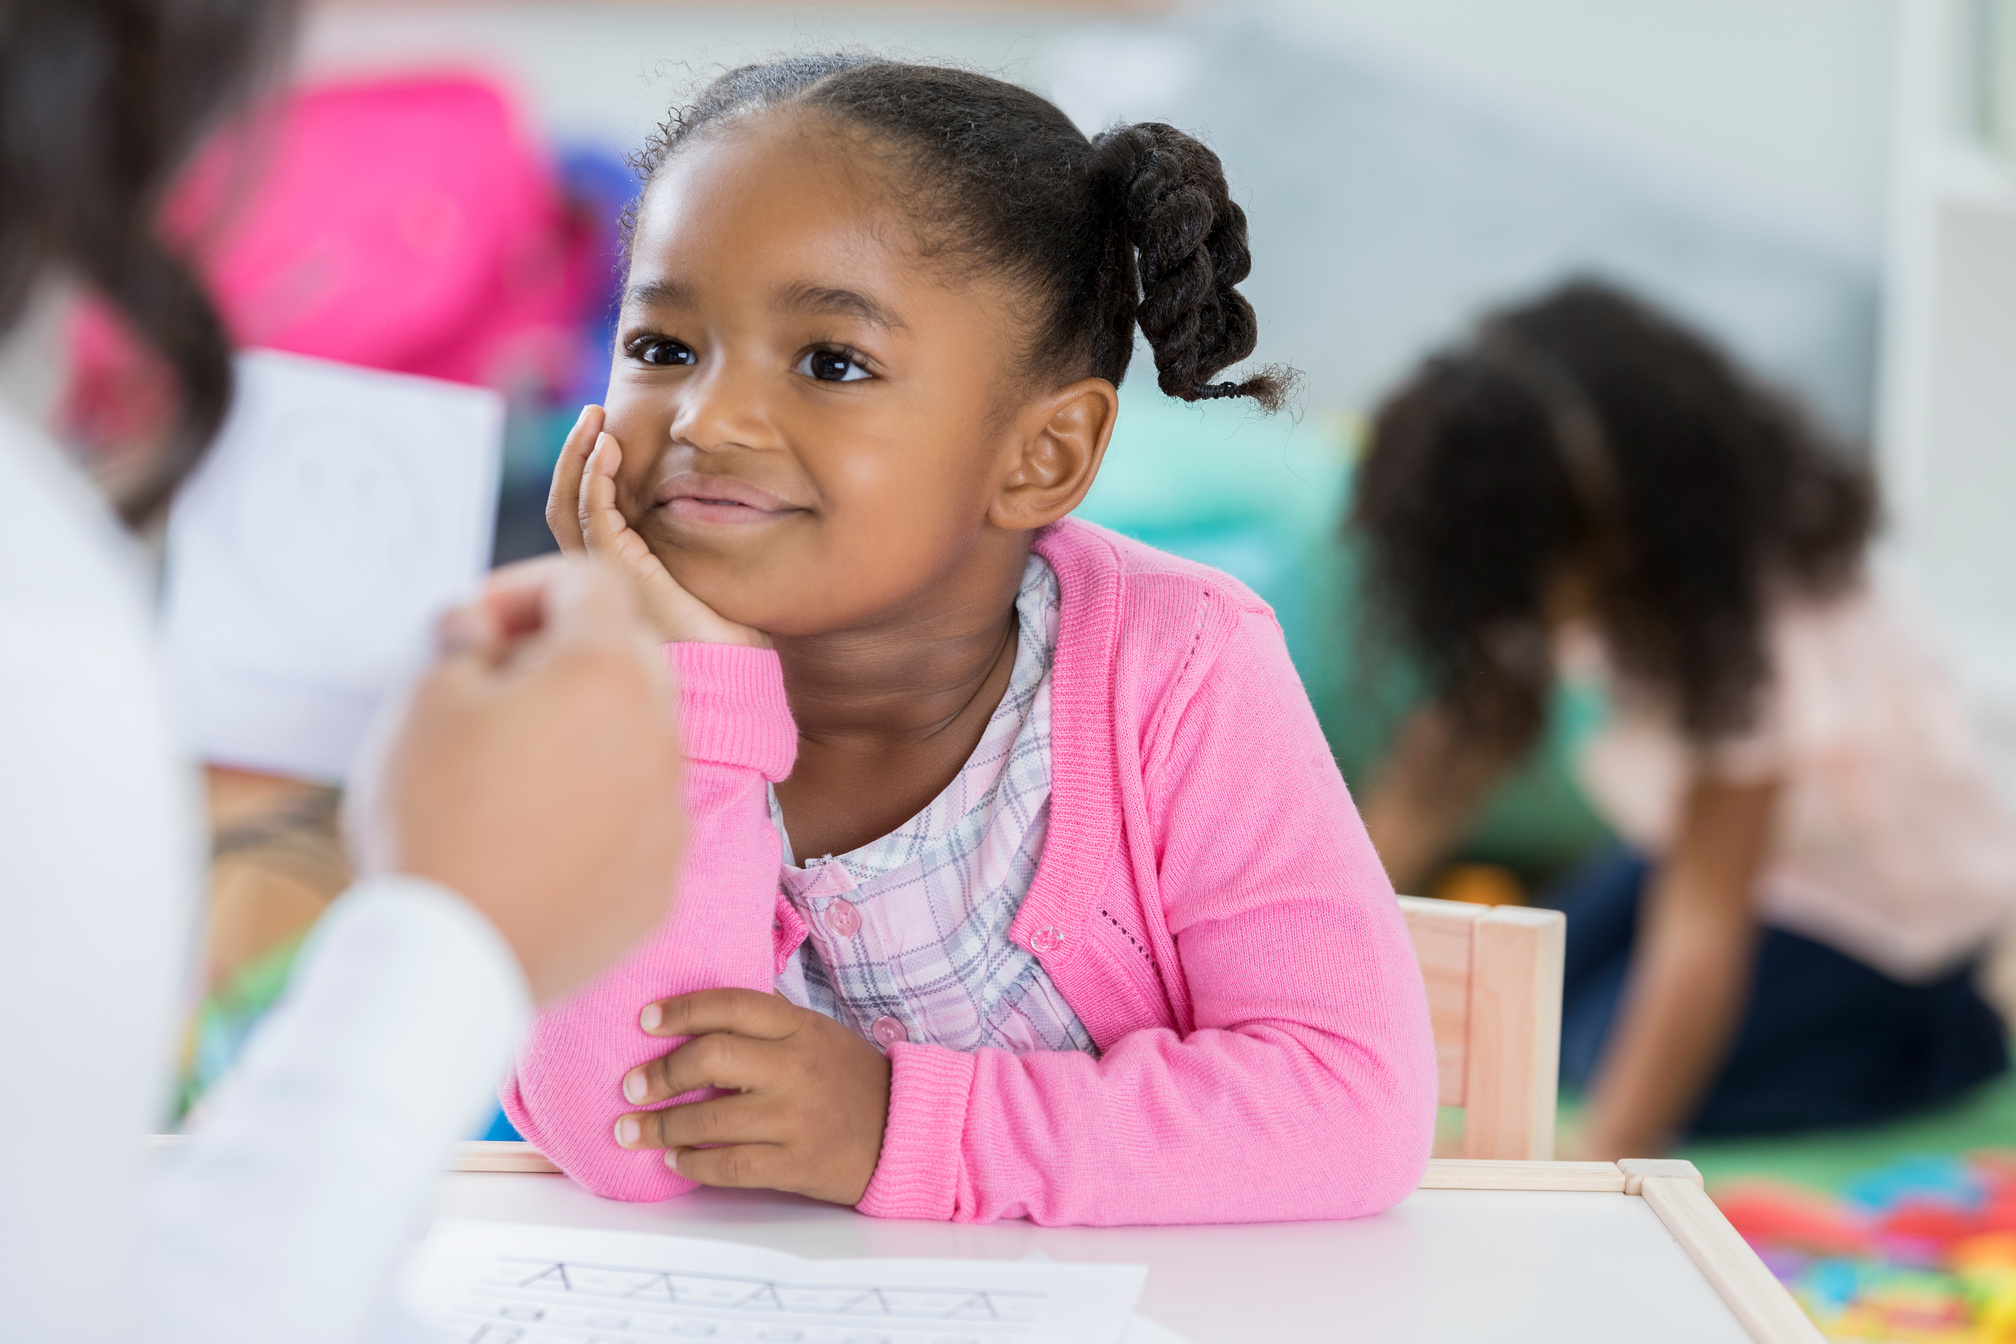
{"points": [[1133, 226], [100, 103], [1586, 432]]}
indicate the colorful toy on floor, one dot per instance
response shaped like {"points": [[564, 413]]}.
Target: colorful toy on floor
{"points": [[1920, 1252]]}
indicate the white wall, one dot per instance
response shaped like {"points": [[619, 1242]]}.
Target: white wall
{"points": [[608, 72], [1405, 162], [1782, 104]]}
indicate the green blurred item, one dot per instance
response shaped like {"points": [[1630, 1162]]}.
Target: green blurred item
{"points": [[227, 1017], [1830, 1159]]}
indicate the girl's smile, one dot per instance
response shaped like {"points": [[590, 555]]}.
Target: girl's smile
{"points": [[697, 498]]}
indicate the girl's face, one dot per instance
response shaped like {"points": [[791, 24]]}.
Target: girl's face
{"points": [[815, 424]]}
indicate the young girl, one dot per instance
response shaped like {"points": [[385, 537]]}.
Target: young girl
{"points": [[1021, 881], [1813, 855]]}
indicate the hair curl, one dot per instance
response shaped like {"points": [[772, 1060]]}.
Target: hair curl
{"points": [[100, 102], [1586, 432], [1133, 226]]}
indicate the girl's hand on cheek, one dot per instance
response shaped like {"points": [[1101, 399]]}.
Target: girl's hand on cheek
{"points": [[810, 1097], [582, 511]]}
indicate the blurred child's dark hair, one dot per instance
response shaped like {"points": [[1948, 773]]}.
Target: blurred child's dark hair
{"points": [[1586, 433], [1134, 225]]}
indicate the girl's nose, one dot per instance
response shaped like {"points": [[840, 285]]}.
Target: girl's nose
{"points": [[722, 408]]}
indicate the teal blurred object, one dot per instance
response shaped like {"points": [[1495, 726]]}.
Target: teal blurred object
{"points": [[1253, 495], [1260, 498]]}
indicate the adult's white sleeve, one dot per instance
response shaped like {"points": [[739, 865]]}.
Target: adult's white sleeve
{"points": [[100, 863], [286, 1216]]}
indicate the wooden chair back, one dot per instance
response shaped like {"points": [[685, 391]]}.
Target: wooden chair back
{"points": [[1494, 1000]]}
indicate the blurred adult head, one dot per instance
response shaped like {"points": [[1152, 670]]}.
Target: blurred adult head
{"points": [[100, 102]]}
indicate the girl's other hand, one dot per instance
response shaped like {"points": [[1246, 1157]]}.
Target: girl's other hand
{"points": [[807, 1103], [582, 512]]}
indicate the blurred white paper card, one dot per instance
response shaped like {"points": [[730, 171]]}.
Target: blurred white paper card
{"points": [[512, 1283], [339, 512]]}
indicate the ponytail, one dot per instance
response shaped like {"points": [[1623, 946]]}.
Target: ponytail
{"points": [[1190, 240]]}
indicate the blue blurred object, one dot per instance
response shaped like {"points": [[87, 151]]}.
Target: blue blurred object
{"points": [[1832, 1284], [599, 186], [602, 185], [501, 1129], [1925, 1179]]}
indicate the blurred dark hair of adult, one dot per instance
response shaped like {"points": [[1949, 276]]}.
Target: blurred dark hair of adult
{"points": [[100, 102]]}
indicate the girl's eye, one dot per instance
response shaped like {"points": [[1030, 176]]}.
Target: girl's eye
{"points": [[661, 350], [832, 366]]}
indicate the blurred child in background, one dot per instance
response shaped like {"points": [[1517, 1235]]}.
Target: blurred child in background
{"points": [[1812, 854]]}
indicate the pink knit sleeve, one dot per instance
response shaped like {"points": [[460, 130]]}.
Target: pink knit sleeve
{"points": [[1306, 1085], [566, 1093]]}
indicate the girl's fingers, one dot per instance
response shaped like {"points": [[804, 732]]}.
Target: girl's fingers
{"points": [[744, 1012], [602, 524], [741, 1166], [730, 1119], [731, 1063], [607, 533], [563, 514], [594, 523]]}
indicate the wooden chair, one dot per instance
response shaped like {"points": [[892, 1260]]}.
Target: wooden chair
{"points": [[1494, 1001]]}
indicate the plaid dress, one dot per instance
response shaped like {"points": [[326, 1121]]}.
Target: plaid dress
{"points": [[908, 935]]}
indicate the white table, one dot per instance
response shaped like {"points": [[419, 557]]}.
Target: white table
{"points": [[1458, 1264]]}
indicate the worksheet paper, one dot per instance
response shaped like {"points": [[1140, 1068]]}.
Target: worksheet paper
{"points": [[339, 512], [513, 1283]]}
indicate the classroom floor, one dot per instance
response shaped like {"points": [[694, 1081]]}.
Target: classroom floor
{"points": [[1827, 1159], [1822, 1160], [1907, 1234]]}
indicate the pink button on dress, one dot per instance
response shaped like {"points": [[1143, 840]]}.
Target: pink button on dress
{"points": [[844, 918], [887, 1031]]}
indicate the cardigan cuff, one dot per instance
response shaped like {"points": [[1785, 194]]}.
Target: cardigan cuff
{"points": [[732, 709], [918, 1174]]}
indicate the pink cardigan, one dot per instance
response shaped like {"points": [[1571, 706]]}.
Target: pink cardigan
{"points": [[1207, 902]]}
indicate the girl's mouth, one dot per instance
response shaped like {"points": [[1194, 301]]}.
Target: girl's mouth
{"points": [[691, 497]]}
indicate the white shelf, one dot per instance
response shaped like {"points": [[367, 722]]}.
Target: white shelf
{"points": [[1947, 450], [1973, 176]]}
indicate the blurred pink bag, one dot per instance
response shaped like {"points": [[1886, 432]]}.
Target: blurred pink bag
{"points": [[401, 223]]}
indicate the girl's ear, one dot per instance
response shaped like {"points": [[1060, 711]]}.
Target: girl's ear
{"points": [[1061, 441]]}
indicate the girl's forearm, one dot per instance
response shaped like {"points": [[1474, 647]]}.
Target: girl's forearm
{"points": [[566, 1093], [1690, 972], [1425, 795], [1684, 999]]}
